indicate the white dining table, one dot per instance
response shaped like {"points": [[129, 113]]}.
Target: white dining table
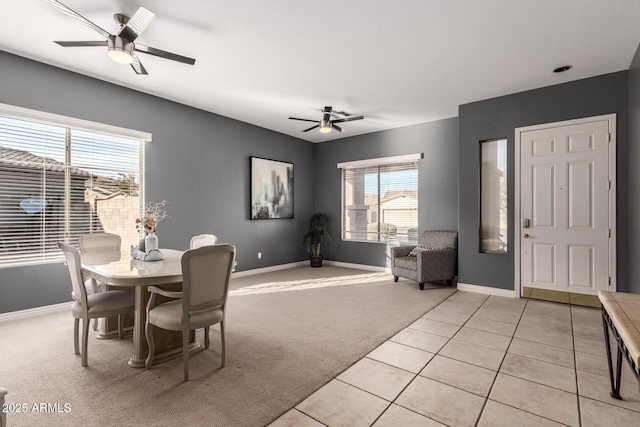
{"points": [[137, 275]]}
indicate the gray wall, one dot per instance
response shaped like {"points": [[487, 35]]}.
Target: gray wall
{"points": [[197, 161], [498, 117], [634, 174], [437, 175]]}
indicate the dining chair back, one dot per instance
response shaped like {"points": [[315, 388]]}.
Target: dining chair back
{"points": [[202, 240], [99, 242], [205, 286], [86, 307], [100, 246]]}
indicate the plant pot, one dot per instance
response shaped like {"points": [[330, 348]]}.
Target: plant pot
{"points": [[316, 260]]}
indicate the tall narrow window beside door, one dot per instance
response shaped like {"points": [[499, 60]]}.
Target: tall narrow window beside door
{"points": [[493, 196], [58, 182]]}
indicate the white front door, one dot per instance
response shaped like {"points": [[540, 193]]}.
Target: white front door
{"points": [[565, 205]]}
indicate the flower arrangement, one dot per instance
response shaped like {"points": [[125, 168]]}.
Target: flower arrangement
{"points": [[153, 214]]}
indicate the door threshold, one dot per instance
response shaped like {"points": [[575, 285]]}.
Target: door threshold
{"points": [[559, 296]]}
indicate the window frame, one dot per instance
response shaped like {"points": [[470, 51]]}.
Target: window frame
{"points": [[481, 206], [70, 124], [372, 163]]}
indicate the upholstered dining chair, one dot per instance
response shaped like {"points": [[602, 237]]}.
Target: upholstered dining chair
{"points": [[202, 302], [105, 245], [202, 240], [86, 307], [436, 258]]}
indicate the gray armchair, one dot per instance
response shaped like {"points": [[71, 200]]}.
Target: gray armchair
{"points": [[436, 258]]}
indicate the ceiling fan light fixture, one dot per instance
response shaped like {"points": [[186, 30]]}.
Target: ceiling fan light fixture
{"points": [[120, 50], [325, 126]]}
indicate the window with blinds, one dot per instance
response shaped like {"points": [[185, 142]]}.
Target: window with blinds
{"points": [[58, 182], [380, 200]]}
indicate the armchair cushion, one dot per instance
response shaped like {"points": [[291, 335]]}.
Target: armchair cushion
{"points": [[421, 248]]}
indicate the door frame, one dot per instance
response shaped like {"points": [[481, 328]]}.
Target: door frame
{"points": [[611, 118]]}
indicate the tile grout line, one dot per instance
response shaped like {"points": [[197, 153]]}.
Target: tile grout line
{"points": [[363, 357], [418, 373], [575, 369], [484, 405], [434, 355], [498, 372]]}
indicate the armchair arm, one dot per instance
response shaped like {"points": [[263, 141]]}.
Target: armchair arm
{"points": [[168, 294], [399, 251], [438, 264]]}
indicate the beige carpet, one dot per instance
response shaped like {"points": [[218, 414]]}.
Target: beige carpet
{"points": [[288, 333]]}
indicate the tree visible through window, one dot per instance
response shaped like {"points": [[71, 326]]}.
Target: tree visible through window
{"points": [[57, 183], [380, 202]]}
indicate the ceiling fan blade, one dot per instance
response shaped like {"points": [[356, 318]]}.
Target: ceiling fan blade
{"points": [[137, 24], [164, 54], [81, 44], [340, 114], [311, 128], [138, 67], [348, 119], [73, 14], [304, 120], [338, 128]]}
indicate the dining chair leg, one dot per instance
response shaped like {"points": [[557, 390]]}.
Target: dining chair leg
{"points": [[85, 340], [223, 346], [149, 334], [206, 338], [76, 327], [95, 324], [185, 354], [121, 326]]}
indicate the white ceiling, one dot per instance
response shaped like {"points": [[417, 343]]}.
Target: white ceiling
{"points": [[397, 63]]}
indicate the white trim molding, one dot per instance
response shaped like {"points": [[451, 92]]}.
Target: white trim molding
{"points": [[507, 293], [358, 266], [380, 161], [268, 269], [59, 120], [31, 312], [613, 120]]}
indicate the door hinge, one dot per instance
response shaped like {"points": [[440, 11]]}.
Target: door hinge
{"points": [[609, 232], [609, 137]]}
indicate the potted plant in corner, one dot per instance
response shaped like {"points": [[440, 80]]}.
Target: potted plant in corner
{"points": [[317, 234]]}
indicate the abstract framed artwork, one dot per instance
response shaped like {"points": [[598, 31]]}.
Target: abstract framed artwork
{"points": [[271, 189]]}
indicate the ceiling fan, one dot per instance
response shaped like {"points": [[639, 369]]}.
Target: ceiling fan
{"points": [[329, 120], [121, 47]]}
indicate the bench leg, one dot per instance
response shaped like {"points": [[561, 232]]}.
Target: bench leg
{"points": [[615, 382]]}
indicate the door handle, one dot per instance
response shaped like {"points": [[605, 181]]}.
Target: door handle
{"points": [[526, 236]]}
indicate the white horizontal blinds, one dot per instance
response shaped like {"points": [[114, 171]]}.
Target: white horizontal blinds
{"points": [[31, 190], [380, 203], [107, 198], [57, 183], [398, 202]]}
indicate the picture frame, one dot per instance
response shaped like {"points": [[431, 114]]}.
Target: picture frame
{"points": [[271, 189]]}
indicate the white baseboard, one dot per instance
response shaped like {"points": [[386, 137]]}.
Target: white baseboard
{"points": [[13, 315], [358, 266], [507, 293], [268, 269], [5, 317]]}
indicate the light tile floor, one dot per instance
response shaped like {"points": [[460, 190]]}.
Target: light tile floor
{"points": [[476, 360]]}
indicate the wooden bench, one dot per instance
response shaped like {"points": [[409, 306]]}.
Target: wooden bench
{"points": [[621, 315]]}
